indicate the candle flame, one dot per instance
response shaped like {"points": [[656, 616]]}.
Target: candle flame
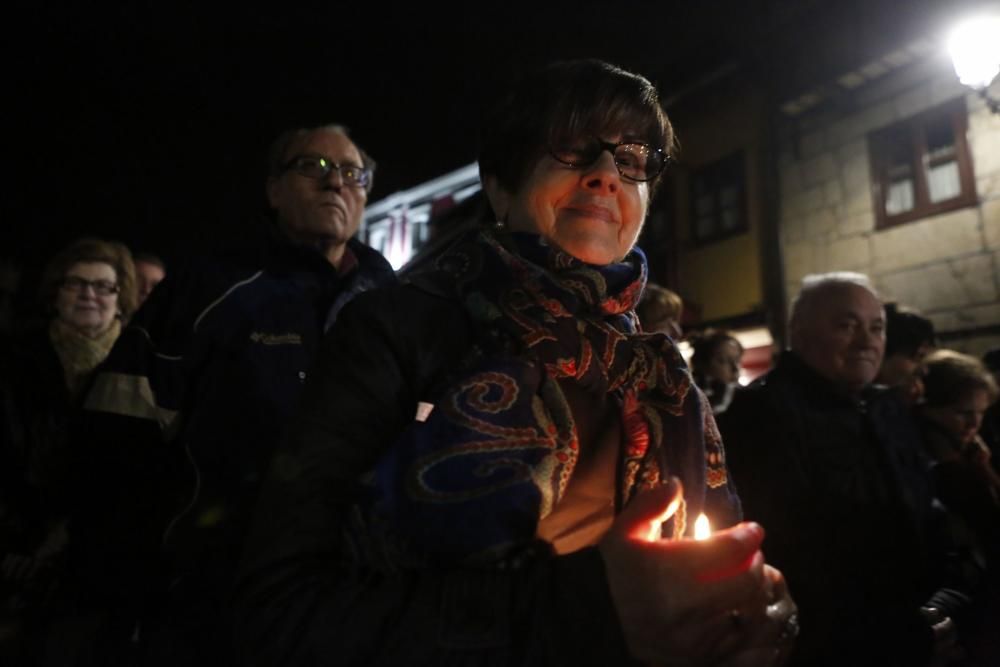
{"points": [[702, 529], [655, 531]]}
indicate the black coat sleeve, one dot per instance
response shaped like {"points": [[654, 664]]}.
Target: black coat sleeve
{"points": [[129, 479], [301, 600]]}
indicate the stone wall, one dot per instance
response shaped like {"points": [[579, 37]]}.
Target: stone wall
{"points": [[947, 266]]}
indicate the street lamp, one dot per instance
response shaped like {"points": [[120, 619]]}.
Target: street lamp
{"points": [[974, 46]]}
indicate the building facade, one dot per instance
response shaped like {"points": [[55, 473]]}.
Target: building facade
{"points": [[903, 184], [841, 142], [882, 163]]}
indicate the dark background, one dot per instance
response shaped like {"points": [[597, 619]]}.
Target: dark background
{"points": [[149, 122]]}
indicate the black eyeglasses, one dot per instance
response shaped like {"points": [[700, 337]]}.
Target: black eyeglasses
{"points": [[636, 161], [101, 287], [313, 166]]}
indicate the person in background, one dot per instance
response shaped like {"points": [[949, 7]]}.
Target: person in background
{"points": [[832, 465], [990, 430], [87, 290], [149, 271], [491, 464], [184, 415], [909, 337], [715, 365], [958, 391], [660, 310]]}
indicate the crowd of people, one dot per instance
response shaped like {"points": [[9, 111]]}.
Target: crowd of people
{"points": [[282, 454]]}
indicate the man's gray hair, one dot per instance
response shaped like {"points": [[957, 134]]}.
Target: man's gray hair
{"points": [[815, 284]]}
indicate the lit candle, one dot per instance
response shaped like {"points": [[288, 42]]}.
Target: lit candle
{"points": [[702, 529], [656, 525]]}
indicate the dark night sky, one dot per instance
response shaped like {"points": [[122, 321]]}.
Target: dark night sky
{"points": [[149, 123]]}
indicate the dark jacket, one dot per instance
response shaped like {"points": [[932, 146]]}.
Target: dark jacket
{"points": [[37, 417], [313, 594], [967, 492], [842, 490], [963, 487], [36, 412], [192, 399], [990, 433]]}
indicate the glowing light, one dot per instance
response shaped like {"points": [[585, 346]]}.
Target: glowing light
{"points": [[974, 47], [397, 257], [656, 525], [655, 531], [702, 528]]}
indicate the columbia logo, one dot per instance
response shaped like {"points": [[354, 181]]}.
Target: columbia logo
{"points": [[276, 339]]}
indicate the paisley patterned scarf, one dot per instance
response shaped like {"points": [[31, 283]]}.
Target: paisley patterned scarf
{"points": [[497, 452]]}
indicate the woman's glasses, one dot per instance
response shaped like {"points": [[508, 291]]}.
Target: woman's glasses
{"points": [[635, 160], [100, 287]]}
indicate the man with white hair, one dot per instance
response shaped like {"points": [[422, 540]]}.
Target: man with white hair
{"points": [[830, 466], [838, 329]]}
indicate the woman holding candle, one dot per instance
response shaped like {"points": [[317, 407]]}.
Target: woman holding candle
{"points": [[491, 465]]}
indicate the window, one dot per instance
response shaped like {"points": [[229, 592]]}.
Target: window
{"points": [[718, 196], [921, 166]]}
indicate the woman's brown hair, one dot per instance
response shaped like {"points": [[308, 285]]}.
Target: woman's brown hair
{"points": [[568, 99], [114, 254], [950, 375]]}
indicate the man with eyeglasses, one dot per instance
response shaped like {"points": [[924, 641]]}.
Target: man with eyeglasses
{"points": [[319, 183], [193, 398]]}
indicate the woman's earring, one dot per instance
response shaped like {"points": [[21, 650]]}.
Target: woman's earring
{"points": [[501, 223]]}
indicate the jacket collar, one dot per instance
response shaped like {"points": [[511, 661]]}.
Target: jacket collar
{"points": [[281, 254], [791, 365]]}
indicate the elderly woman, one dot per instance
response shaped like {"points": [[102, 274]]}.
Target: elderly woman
{"points": [[87, 289], [491, 466]]}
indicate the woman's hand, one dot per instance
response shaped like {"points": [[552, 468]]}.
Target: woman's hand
{"points": [[690, 602], [768, 638]]}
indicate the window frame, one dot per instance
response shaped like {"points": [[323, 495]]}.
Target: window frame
{"points": [[714, 173], [915, 129]]}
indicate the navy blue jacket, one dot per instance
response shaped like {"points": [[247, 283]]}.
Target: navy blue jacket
{"points": [[185, 412]]}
